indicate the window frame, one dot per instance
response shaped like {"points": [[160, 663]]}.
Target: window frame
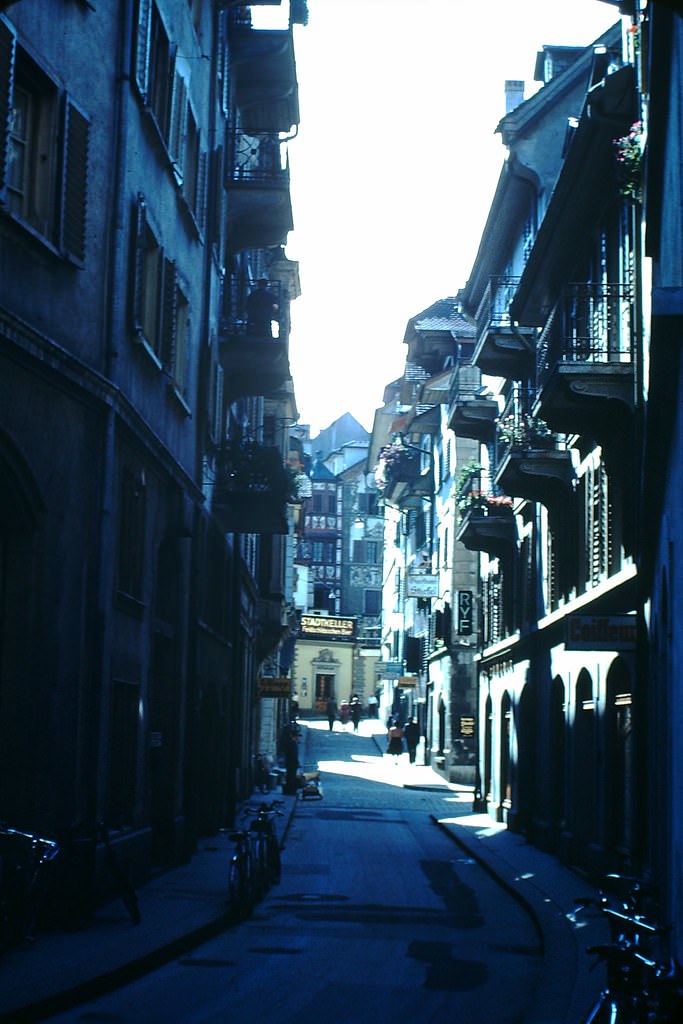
{"points": [[57, 148]]}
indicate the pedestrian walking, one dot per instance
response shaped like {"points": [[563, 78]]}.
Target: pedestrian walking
{"points": [[412, 736], [395, 740], [356, 710], [290, 753], [331, 712]]}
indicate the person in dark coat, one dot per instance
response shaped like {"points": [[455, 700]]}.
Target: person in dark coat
{"points": [[290, 753], [331, 712], [356, 709], [412, 735], [395, 740], [261, 310]]}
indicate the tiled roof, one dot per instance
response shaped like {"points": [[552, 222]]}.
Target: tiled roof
{"points": [[443, 315]]}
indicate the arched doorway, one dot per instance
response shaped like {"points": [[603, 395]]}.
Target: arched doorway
{"points": [[556, 753], [584, 774], [488, 749], [618, 761], [505, 739], [526, 758]]}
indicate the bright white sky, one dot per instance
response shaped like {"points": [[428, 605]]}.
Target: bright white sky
{"points": [[394, 170]]}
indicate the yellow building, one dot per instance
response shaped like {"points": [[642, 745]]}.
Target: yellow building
{"points": [[324, 661]]}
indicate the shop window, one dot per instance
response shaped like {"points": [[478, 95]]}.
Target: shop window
{"points": [[44, 142]]}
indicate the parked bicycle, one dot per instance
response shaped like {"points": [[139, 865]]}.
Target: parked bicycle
{"points": [[242, 873], [255, 862], [268, 862], [644, 984], [24, 861]]}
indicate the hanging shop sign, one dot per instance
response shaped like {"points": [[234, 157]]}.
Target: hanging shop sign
{"points": [[328, 626], [601, 633], [465, 603], [407, 682], [466, 725], [390, 669], [273, 686], [422, 585]]}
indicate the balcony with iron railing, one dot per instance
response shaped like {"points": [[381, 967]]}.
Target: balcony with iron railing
{"points": [[487, 521], [253, 349], [501, 348], [472, 410], [259, 204], [250, 488], [531, 460], [401, 476], [585, 360]]}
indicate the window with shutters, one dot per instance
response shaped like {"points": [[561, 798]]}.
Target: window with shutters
{"points": [[190, 163], [152, 265], [44, 140], [178, 367], [154, 66], [160, 312]]}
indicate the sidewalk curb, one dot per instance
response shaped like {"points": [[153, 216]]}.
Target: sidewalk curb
{"points": [[565, 986], [124, 974], [99, 985]]}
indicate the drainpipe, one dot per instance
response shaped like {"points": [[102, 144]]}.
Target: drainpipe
{"points": [[99, 751]]}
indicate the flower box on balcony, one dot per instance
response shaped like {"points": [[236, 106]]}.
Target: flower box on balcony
{"points": [[251, 489]]}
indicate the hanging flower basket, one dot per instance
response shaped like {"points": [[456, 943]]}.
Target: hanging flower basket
{"points": [[629, 153], [251, 488], [396, 463]]}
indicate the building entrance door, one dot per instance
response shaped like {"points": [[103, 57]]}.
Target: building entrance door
{"points": [[324, 689]]}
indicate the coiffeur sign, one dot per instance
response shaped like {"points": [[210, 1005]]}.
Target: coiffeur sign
{"points": [[328, 626], [601, 633]]}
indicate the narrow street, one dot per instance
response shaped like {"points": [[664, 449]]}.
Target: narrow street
{"points": [[379, 915]]}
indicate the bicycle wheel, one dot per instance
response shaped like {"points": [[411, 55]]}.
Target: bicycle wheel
{"points": [[274, 861], [261, 880], [605, 1011], [238, 887]]}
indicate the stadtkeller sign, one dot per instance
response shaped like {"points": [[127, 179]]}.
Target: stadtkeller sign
{"points": [[328, 626], [601, 633]]}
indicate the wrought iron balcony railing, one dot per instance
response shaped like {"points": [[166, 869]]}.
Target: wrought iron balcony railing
{"points": [[592, 323], [494, 309], [251, 488], [236, 320], [501, 348], [256, 160]]}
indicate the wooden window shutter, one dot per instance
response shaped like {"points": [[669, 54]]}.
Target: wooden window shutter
{"points": [[74, 183], [178, 127], [7, 52], [143, 42], [201, 190], [137, 234], [168, 318]]}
